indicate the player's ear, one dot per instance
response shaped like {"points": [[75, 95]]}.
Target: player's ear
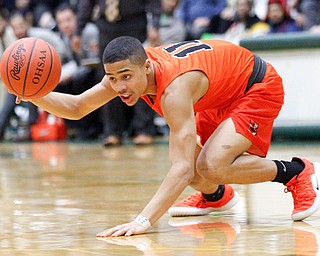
{"points": [[148, 66]]}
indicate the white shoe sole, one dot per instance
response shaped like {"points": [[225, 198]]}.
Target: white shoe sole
{"points": [[315, 178], [177, 211]]}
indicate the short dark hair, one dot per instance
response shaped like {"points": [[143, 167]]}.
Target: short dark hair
{"points": [[4, 14], [123, 48], [18, 14], [62, 7]]}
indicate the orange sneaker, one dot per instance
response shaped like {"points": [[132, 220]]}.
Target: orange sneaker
{"points": [[196, 205], [305, 189]]}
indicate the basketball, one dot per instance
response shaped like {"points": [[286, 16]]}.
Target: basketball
{"points": [[30, 68]]}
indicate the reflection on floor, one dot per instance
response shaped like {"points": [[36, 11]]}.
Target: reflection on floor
{"points": [[56, 196]]}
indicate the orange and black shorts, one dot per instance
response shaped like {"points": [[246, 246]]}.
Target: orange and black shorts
{"points": [[253, 114]]}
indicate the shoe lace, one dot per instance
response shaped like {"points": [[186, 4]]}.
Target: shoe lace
{"points": [[306, 192], [193, 200]]}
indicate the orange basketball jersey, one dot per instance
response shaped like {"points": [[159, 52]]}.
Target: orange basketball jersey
{"points": [[241, 86], [227, 66]]}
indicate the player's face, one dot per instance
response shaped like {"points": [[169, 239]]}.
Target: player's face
{"points": [[128, 80]]}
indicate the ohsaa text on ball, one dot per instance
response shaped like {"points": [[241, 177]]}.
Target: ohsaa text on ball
{"points": [[40, 66]]}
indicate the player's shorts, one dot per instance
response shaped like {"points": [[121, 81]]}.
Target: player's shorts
{"points": [[253, 114]]}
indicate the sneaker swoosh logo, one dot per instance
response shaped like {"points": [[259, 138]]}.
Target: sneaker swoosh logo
{"points": [[317, 187], [284, 167]]}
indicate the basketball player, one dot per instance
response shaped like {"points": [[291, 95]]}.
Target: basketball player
{"points": [[236, 97]]}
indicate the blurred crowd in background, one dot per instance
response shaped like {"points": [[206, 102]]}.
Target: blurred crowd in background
{"points": [[80, 29]]}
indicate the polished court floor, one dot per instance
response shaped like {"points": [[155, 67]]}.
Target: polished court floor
{"points": [[55, 197]]}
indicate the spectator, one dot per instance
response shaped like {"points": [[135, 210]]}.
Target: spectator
{"points": [[278, 18], [22, 28], [243, 23], [25, 7], [305, 12], [196, 15], [6, 5], [117, 18], [43, 13], [171, 29], [7, 37], [77, 78]]}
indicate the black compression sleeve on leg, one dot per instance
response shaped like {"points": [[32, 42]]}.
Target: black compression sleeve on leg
{"points": [[216, 195]]}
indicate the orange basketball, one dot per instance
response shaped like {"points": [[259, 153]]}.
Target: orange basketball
{"points": [[30, 68]]}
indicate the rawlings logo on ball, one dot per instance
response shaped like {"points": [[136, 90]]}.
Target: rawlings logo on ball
{"points": [[19, 61]]}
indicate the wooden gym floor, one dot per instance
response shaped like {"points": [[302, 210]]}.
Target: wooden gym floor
{"points": [[55, 197]]}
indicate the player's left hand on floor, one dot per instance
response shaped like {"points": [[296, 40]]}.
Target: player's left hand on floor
{"points": [[128, 229]]}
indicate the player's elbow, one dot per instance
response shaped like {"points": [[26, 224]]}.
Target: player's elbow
{"points": [[78, 114], [79, 109]]}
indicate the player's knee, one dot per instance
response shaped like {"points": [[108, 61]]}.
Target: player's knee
{"points": [[211, 170]]}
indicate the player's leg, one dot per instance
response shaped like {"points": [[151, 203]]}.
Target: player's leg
{"points": [[199, 182], [217, 161], [221, 161], [213, 195]]}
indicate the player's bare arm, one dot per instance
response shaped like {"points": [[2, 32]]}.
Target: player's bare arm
{"points": [[76, 106], [177, 105]]}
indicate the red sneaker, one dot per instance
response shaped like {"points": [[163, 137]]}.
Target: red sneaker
{"points": [[305, 189], [196, 205]]}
